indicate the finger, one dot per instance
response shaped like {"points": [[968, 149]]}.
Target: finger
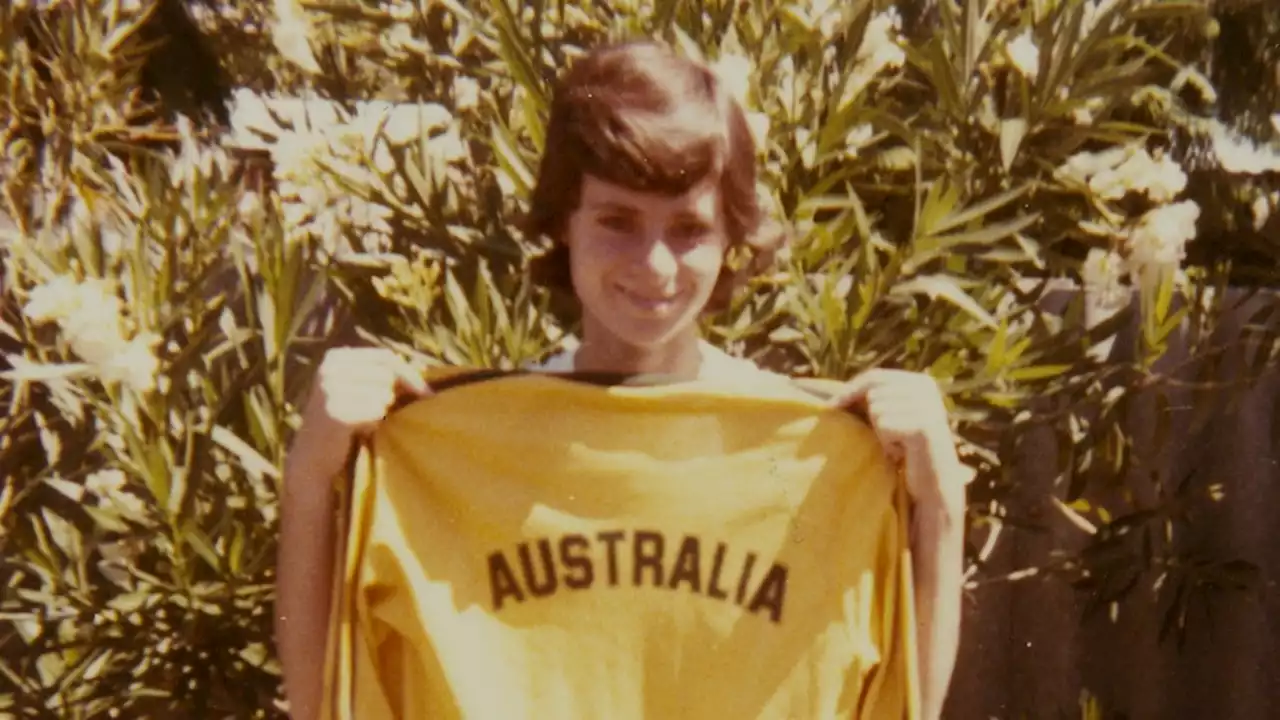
{"points": [[410, 380], [856, 390]]}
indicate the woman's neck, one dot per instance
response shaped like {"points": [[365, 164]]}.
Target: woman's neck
{"points": [[681, 357]]}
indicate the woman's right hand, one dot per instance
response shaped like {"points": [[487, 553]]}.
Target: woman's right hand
{"points": [[353, 390]]}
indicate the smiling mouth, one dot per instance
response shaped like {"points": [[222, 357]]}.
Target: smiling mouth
{"points": [[651, 303]]}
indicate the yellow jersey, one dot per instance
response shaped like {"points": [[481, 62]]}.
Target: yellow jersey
{"points": [[533, 546]]}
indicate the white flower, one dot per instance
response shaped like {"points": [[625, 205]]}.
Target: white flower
{"points": [[1103, 277], [1240, 155], [90, 318], [1024, 55], [291, 35], [1160, 179], [296, 156], [53, 301], [1159, 239], [1130, 169], [1082, 166], [135, 364], [94, 335], [88, 313]]}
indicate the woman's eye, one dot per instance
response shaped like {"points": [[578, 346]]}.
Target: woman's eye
{"points": [[617, 223], [690, 232]]}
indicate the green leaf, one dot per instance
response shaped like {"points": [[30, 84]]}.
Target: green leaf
{"points": [[1037, 372], [939, 202], [198, 541], [250, 459], [930, 247], [41, 373], [979, 210], [510, 161], [946, 288], [1012, 131], [995, 352], [106, 518], [514, 49]]}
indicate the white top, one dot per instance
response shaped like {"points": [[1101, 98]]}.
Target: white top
{"points": [[716, 365]]}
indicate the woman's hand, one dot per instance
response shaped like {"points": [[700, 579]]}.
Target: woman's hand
{"points": [[909, 416], [354, 388]]}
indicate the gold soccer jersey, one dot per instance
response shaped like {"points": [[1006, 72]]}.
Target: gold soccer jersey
{"points": [[540, 547]]}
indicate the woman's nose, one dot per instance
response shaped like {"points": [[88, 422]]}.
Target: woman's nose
{"points": [[659, 259]]}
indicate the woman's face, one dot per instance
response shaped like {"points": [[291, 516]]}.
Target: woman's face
{"points": [[644, 265]]}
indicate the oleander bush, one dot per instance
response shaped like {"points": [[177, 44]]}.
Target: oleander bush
{"points": [[202, 198]]}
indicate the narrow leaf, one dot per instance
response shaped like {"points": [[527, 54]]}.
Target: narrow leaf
{"points": [[946, 288]]}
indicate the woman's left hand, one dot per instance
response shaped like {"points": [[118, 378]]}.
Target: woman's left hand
{"points": [[909, 416]]}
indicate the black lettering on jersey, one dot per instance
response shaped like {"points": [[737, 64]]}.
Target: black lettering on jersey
{"points": [[648, 556], [717, 565], [547, 584], [688, 565], [574, 555], [611, 540], [571, 561], [771, 593], [502, 582]]}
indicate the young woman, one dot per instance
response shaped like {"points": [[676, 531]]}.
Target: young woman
{"points": [[647, 186]]}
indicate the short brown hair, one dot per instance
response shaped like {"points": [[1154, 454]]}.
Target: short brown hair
{"points": [[642, 117]]}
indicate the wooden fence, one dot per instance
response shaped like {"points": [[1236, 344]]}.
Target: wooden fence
{"points": [[1025, 651]]}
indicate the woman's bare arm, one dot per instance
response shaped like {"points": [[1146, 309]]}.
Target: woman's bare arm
{"points": [[353, 390], [304, 574], [938, 552]]}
